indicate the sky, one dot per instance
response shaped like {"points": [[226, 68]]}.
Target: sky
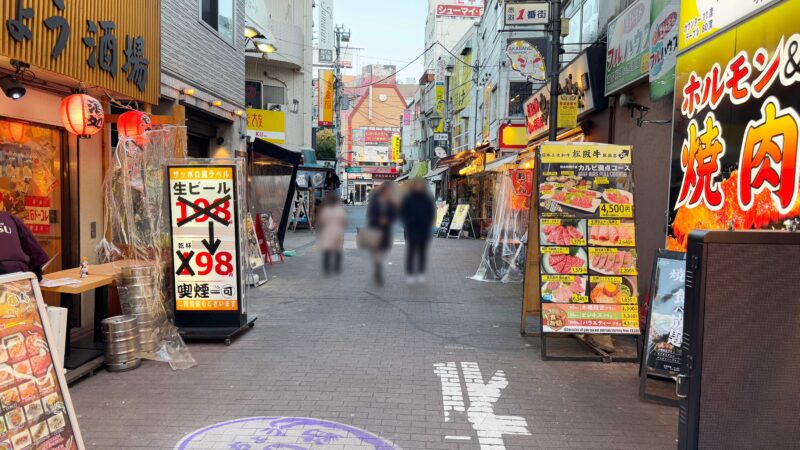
{"points": [[389, 32]]}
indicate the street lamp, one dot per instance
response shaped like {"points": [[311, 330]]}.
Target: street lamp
{"points": [[263, 43], [433, 122]]}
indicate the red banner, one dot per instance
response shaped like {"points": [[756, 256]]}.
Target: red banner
{"points": [[459, 11]]}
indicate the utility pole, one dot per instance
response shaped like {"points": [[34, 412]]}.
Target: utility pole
{"points": [[340, 35], [555, 62]]}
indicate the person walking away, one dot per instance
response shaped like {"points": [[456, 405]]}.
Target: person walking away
{"points": [[19, 249], [331, 223], [381, 214], [418, 211]]}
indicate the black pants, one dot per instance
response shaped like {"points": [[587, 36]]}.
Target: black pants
{"points": [[416, 256], [331, 261]]}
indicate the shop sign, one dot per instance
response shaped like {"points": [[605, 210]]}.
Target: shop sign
{"points": [[459, 217], [326, 98], [326, 37], [537, 114], [700, 19], [376, 136], [440, 106], [526, 59], [205, 237], [465, 8], [663, 47], [359, 176], [736, 130], [522, 185], [407, 118], [353, 170], [665, 322], [462, 80], [587, 239], [512, 136], [396, 146], [267, 125], [385, 176], [37, 210], [487, 101], [358, 137], [567, 111], [98, 43], [628, 54], [529, 13], [440, 137]]}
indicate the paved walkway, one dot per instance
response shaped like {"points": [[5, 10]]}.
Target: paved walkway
{"points": [[341, 350]]}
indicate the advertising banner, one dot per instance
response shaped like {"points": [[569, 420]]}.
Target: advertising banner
{"points": [[376, 136], [587, 239], [527, 59], [461, 81], [440, 106], [465, 8], [628, 54], [665, 324], [528, 13], [205, 237], [36, 404], [396, 145], [407, 118], [267, 125], [459, 217], [567, 114], [326, 44], [441, 211], [326, 94], [735, 130], [663, 47], [701, 19]]}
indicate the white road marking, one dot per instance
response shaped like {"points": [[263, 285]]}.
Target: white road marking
{"points": [[452, 397], [459, 438]]}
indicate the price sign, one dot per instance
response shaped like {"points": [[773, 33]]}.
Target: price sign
{"points": [[204, 238], [613, 210]]}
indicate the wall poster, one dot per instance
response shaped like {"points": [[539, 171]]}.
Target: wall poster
{"points": [[587, 239], [205, 237]]}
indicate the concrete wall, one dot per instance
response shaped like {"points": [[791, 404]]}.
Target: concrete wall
{"points": [[193, 52]]}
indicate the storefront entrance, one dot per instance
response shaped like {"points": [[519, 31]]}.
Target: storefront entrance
{"points": [[361, 193]]}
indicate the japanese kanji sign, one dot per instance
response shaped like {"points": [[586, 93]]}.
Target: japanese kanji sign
{"points": [[531, 13], [205, 234], [587, 239], [111, 44], [736, 130], [461, 10], [628, 54]]}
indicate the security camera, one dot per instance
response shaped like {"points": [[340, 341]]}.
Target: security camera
{"points": [[12, 87]]}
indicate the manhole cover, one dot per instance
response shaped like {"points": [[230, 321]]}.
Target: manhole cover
{"points": [[282, 433]]}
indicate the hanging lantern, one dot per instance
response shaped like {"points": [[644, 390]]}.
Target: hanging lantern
{"points": [[15, 131], [133, 124], [82, 115]]}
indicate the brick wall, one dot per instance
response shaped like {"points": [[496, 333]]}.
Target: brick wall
{"points": [[193, 52]]}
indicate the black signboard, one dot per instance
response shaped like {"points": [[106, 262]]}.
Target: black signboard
{"points": [[444, 228], [662, 352]]}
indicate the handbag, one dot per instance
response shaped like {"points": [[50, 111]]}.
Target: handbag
{"points": [[368, 238]]}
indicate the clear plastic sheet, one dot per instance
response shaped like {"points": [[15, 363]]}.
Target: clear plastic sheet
{"points": [[504, 252], [137, 239]]}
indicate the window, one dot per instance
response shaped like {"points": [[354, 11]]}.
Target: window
{"points": [[274, 95], [518, 92], [218, 14], [252, 94]]}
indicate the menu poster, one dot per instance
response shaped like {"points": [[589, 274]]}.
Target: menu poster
{"points": [[441, 211], [36, 408], [587, 239], [457, 223], [665, 321], [269, 229]]}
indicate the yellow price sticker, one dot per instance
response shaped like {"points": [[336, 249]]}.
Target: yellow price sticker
{"points": [[559, 278], [550, 174], [628, 271], [629, 315], [630, 302], [630, 323], [613, 210], [580, 298], [555, 250], [598, 181], [602, 251], [615, 280], [603, 223], [552, 222], [626, 242], [567, 173], [577, 242], [578, 270]]}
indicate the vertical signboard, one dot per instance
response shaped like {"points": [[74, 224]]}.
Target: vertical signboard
{"points": [[736, 129], [662, 349], [396, 144], [628, 53], [326, 37], [663, 47], [567, 114], [530, 13], [204, 225], [587, 239], [326, 98]]}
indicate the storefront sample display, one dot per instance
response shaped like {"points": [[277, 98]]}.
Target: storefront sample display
{"points": [[736, 128], [664, 329], [587, 240], [206, 248], [37, 410]]}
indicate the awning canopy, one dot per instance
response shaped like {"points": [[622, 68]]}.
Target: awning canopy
{"points": [[438, 171], [498, 164]]}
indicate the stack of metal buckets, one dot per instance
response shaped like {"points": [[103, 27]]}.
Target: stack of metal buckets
{"points": [[121, 337], [140, 297]]}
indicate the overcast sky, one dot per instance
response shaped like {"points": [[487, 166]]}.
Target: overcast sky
{"points": [[389, 32]]}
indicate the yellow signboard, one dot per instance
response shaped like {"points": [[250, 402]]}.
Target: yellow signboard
{"points": [[115, 45], [326, 93], [585, 153], [396, 143], [440, 107], [267, 125], [567, 111], [701, 19]]}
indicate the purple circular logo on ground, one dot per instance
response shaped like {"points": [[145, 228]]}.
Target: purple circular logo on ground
{"points": [[282, 433]]}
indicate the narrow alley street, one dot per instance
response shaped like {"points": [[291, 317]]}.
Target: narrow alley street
{"points": [[341, 350]]}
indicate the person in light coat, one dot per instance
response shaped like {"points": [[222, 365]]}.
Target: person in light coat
{"points": [[331, 224]]}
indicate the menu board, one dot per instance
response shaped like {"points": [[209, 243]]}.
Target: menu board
{"points": [[269, 229], [665, 321], [36, 407], [457, 223], [441, 211], [587, 239], [205, 237]]}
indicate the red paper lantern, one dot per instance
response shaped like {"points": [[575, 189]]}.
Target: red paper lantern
{"points": [[82, 115], [133, 124], [15, 131]]}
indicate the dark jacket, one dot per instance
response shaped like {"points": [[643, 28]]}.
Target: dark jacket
{"points": [[381, 215], [19, 250], [418, 212]]}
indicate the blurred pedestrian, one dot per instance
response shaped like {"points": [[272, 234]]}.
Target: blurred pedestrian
{"points": [[381, 214], [19, 249], [331, 223], [418, 211]]}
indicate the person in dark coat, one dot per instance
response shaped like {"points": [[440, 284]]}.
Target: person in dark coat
{"points": [[418, 211], [381, 214], [19, 249]]}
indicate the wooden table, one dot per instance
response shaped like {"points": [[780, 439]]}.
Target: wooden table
{"points": [[80, 360]]}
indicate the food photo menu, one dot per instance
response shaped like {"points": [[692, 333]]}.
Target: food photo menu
{"points": [[587, 239], [35, 405]]}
